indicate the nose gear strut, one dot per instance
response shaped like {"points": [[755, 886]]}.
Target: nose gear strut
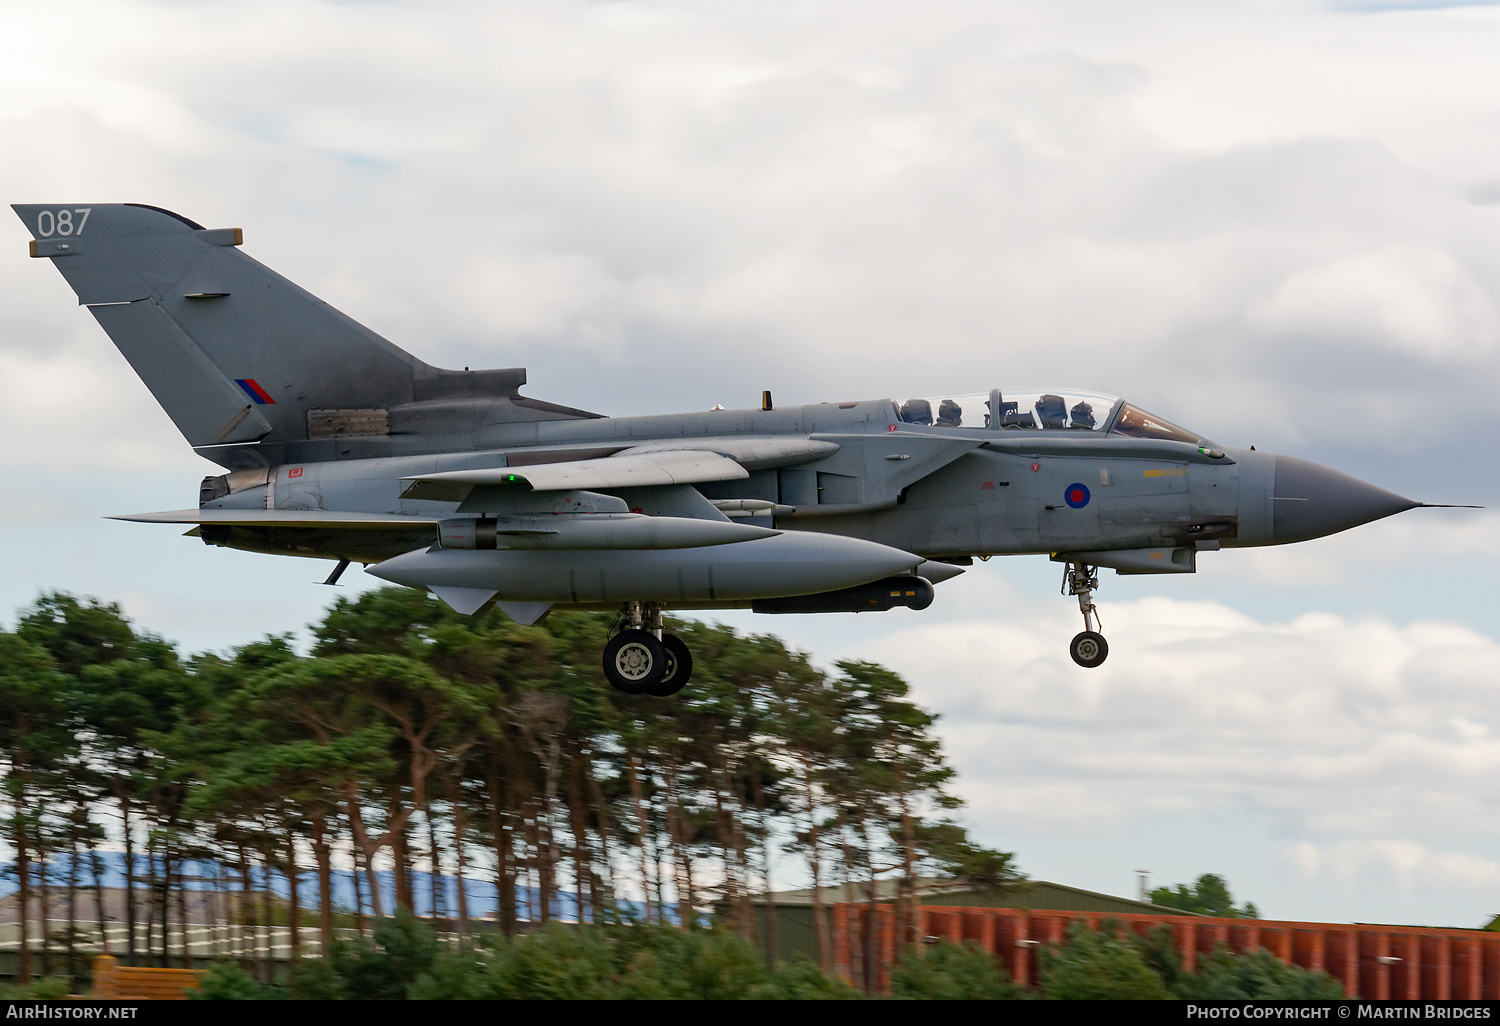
{"points": [[1088, 648]]}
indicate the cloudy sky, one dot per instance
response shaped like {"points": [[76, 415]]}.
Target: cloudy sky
{"points": [[1277, 222]]}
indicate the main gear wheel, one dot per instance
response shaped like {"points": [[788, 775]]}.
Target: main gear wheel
{"points": [[679, 667], [634, 661]]}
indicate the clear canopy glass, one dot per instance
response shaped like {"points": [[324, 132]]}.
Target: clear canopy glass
{"points": [[1038, 409], [1136, 422]]}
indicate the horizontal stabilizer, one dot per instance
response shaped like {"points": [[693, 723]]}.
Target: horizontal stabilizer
{"points": [[642, 470]]}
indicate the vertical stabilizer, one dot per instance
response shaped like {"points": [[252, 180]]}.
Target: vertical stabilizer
{"points": [[234, 352]]}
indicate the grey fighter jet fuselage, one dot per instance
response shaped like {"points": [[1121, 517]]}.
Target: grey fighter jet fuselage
{"points": [[339, 445]]}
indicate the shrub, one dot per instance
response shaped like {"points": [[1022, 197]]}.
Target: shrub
{"points": [[553, 963], [404, 948], [951, 972], [801, 980], [1101, 964], [600, 962], [1259, 975], [228, 982], [707, 965]]}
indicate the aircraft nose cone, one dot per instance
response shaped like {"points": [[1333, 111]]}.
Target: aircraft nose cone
{"points": [[1312, 500]]}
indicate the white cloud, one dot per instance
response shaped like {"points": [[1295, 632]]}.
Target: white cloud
{"points": [[1434, 541], [1401, 865], [1416, 299], [1337, 729]]}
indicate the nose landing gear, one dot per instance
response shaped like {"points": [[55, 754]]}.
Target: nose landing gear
{"points": [[641, 660], [1088, 648]]}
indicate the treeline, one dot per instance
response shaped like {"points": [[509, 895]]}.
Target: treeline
{"points": [[1209, 896], [473, 747]]}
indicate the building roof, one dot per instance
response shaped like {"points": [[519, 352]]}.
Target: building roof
{"points": [[1038, 894]]}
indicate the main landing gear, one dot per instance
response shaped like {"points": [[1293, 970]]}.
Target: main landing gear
{"points": [[641, 660], [1088, 648]]}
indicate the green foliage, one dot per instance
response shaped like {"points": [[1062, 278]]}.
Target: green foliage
{"points": [[708, 965], [51, 988], [414, 733], [1208, 897], [77, 634], [614, 963], [951, 972], [404, 948], [1111, 963], [228, 982], [1161, 954], [952, 852], [1257, 975], [388, 621], [801, 980], [561, 962], [1103, 964], [314, 979], [554, 963]]}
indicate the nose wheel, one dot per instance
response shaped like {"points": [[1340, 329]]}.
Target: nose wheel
{"points": [[641, 660], [1088, 648]]}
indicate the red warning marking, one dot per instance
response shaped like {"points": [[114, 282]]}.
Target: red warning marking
{"points": [[295, 472], [988, 486], [1035, 467], [891, 427]]}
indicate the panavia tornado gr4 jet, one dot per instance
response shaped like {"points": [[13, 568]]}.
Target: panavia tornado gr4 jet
{"points": [[338, 445]]}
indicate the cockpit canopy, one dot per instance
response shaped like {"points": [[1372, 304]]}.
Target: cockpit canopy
{"points": [[1034, 409]]}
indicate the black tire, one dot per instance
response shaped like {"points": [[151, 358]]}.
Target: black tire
{"points": [[634, 661], [1089, 649], [679, 667]]}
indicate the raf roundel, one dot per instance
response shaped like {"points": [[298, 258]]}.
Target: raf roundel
{"points": [[1077, 495]]}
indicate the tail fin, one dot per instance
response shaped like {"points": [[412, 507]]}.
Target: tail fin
{"points": [[234, 352]]}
